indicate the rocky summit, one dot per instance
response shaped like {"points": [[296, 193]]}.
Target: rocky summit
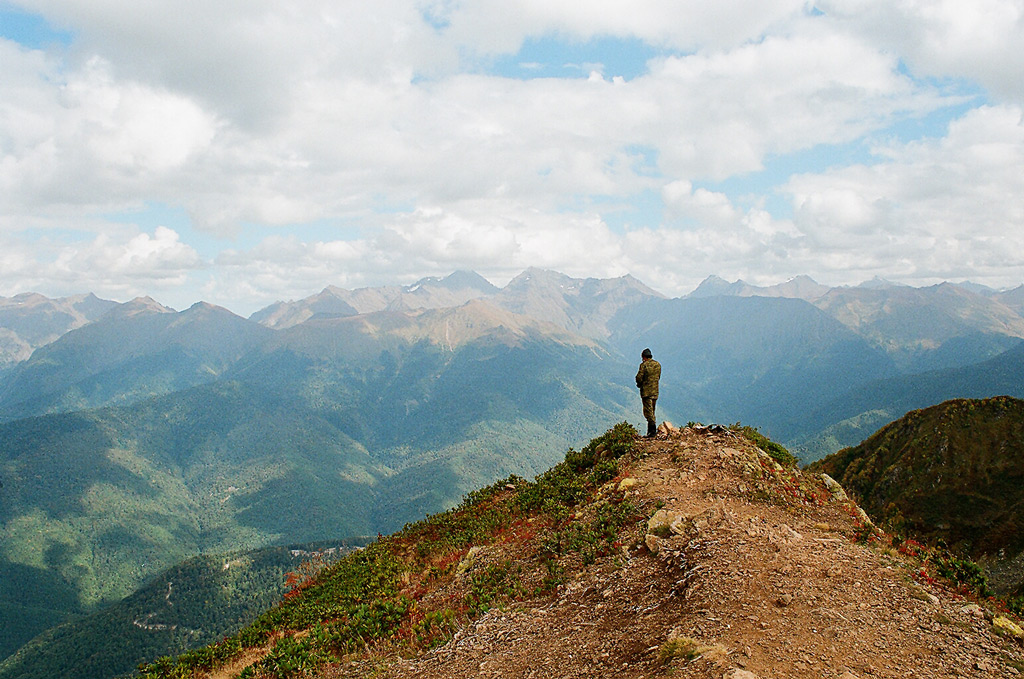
{"points": [[693, 554]]}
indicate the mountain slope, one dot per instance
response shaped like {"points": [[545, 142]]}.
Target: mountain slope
{"points": [[927, 328], [306, 442], [30, 320], [136, 351], [581, 306], [444, 398], [1014, 299], [851, 417], [693, 554], [191, 604], [954, 472], [93, 503]]}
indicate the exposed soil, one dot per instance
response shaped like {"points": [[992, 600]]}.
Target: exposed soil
{"points": [[762, 576]]}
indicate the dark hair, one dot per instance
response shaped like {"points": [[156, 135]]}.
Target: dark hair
{"points": [[646, 353]]}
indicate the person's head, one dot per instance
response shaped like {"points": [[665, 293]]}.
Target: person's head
{"points": [[646, 353]]}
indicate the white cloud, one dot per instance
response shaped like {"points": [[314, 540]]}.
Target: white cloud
{"points": [[81, 140], [978, 40], [429, 241], [945, 208], [384, 116], [493, 26], [158, 257], [342, 137], [120, 262]]}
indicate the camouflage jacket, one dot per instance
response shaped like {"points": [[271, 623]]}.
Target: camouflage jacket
{"points": [[647, 378]]}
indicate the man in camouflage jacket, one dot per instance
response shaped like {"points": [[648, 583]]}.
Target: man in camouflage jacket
{"points": [[647, 381]]}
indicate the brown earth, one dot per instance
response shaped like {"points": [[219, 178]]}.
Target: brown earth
{"points": [[760, 575]]}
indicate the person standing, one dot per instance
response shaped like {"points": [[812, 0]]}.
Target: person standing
{"points": [[647, 381]]}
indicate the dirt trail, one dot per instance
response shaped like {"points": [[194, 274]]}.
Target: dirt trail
{"points": [[759, 576]]}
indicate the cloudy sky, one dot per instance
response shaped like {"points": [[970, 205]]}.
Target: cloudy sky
{"points": [[246, 151]]}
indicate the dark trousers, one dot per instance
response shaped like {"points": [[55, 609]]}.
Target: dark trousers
{"points": [[649, 404]]}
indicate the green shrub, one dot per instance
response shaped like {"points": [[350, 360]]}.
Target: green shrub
{"points": [[604, 471], [593, 538], [964, 573], [618, 441], [776, 451], [496, 583], [570, 482]]}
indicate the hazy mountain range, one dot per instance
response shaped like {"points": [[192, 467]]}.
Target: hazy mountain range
{"points": [[133, 436]]}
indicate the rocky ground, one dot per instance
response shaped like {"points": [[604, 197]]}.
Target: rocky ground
{"points": [[744, 570]]}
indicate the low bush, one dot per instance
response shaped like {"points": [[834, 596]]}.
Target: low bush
{"points": [[775, 450]]}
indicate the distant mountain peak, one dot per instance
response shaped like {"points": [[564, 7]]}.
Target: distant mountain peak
{"points": [[977, 288], [713, 286], [459, 280], [879, 283], [799, 287], [431, 292], [138, 306], [24, 299], [583, 306], [205, 309], [535, 275]]}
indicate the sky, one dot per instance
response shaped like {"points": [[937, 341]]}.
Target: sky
{"points": [[242, 152]]}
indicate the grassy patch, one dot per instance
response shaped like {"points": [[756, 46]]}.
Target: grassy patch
{"points": [[681, 648]]}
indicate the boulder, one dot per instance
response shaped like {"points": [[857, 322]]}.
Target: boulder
{"points": [[739, 674], [1004, 625]]}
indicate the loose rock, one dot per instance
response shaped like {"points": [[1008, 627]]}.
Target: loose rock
{"points": [[1004, 625]]}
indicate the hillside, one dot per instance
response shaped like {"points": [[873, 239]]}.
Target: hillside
{"points": [[191, 604], [693, 553], [30, 320], [94, 502], [850, 417], [953, 472], [942, 326], [136, 351]]}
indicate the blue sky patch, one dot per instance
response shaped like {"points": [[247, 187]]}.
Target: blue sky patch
{"points": [[30, 30], [641, 210], [559, 57]]}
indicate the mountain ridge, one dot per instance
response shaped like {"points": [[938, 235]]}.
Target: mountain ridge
{"points": [[30, 320], [953, 471], [694, 552]]}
